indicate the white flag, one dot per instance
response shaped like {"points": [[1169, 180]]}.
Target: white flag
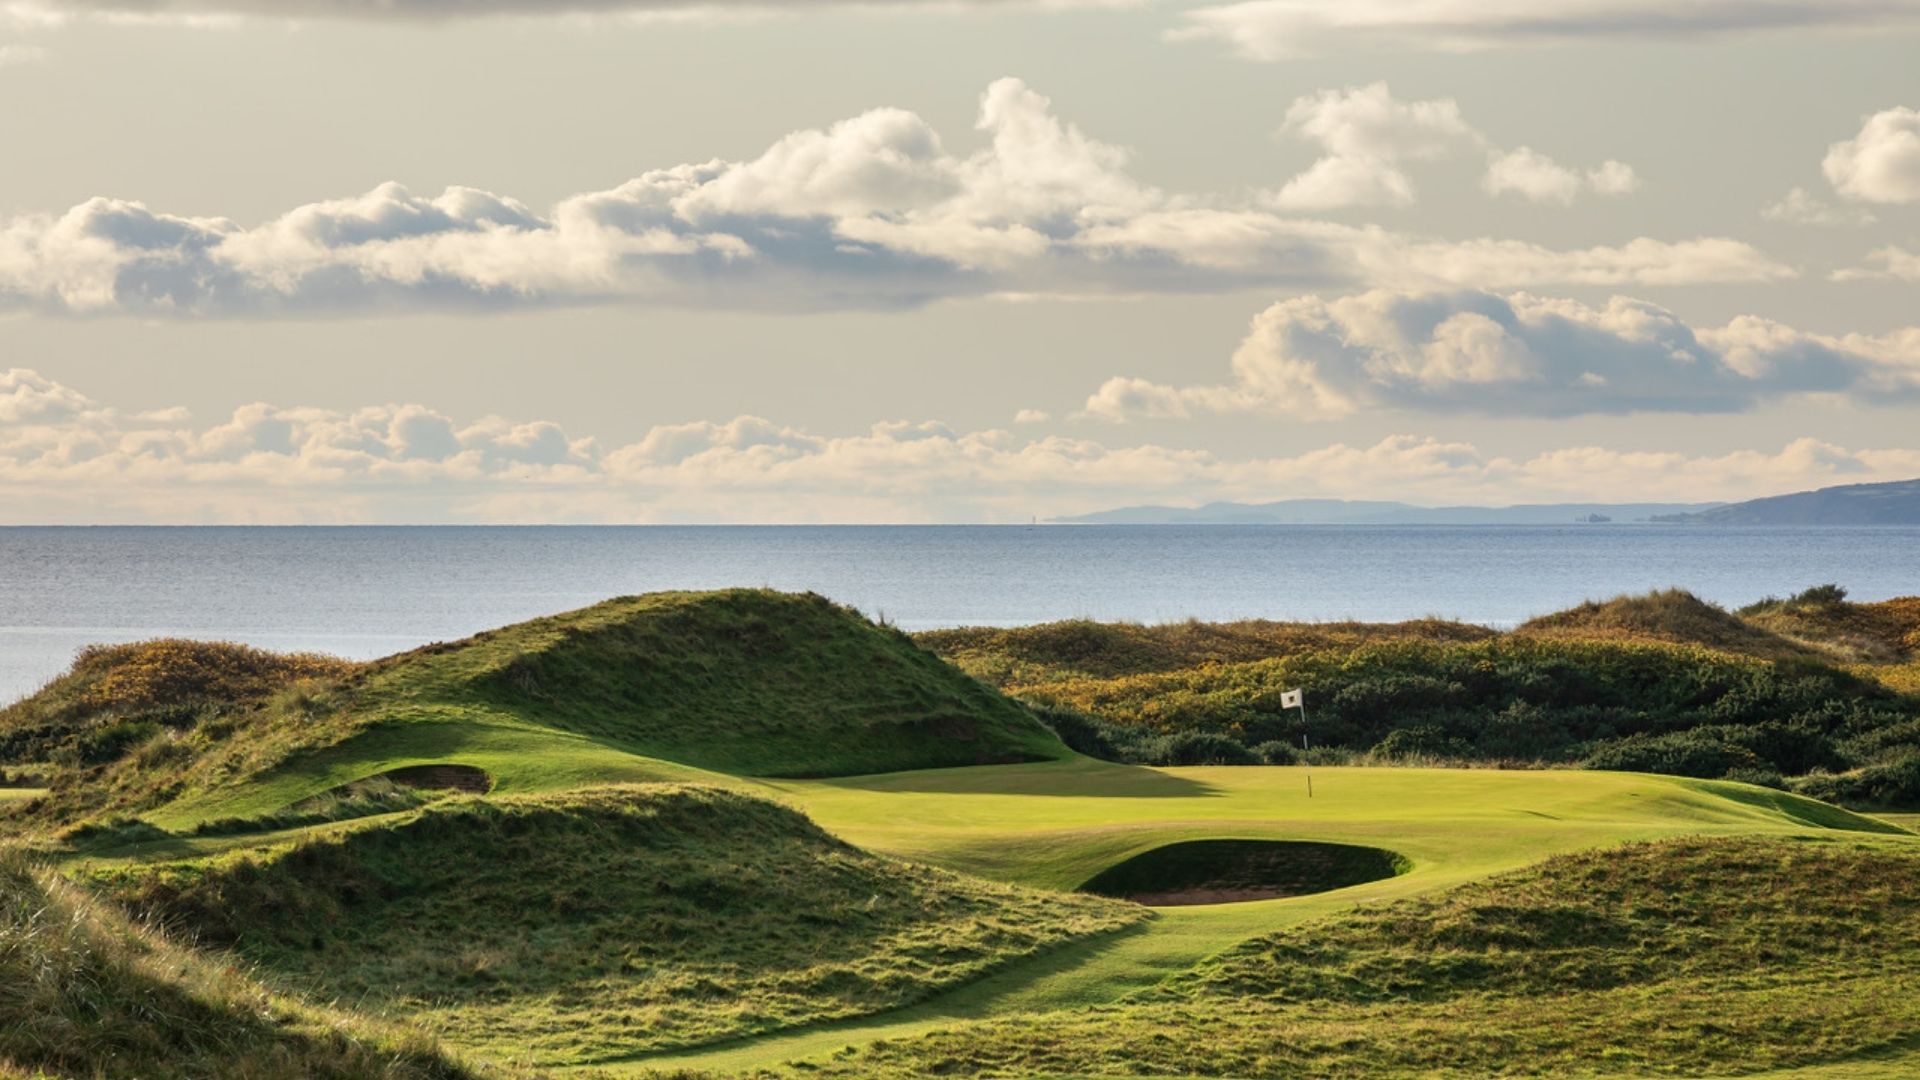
{"points": [[1289, 699]]}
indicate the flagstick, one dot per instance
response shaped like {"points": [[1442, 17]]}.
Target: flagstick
{"points": [[1303, 746]]}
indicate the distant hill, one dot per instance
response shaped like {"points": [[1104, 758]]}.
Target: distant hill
{"points": [[1896, 503], [1353, 512]]}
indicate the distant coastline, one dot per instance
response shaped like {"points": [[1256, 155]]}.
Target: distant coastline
{"points": [[1895, 503]]}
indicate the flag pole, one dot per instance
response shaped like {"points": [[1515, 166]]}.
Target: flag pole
{"points": [[1303, 745]]}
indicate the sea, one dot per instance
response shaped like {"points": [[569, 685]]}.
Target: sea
{"points": [[363, 592]]}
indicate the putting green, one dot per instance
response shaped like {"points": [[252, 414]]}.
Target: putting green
{"points": [[1055, 824]]}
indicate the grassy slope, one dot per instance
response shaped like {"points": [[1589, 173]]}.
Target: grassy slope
{"points": [[667, 686], [1672, 615], [84, 993], [565, 928], [1685, 956], [1057, 824]]}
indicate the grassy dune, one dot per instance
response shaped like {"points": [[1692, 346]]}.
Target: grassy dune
{"points": [[742, 681], [565, 928]]}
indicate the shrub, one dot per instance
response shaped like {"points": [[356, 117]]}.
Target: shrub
{"points": [[1275, 752], [1416, 743], [1199, 748], [1082, 733], [1892, 784], [1678, 753]]}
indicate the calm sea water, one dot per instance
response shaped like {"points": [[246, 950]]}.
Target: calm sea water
{"points": [[364, 592]]}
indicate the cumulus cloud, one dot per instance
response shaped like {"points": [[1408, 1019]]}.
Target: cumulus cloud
{"points": [[873, 212], [1518, 355], [1882, 163], [1801, 207], [1887, 263], [1538, 178], [1274, 30], [1367, 138], [64, 456]]}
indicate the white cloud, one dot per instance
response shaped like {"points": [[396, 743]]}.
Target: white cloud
{"points": [[27, 396], [1367, 138], [1367, 135], [66, 457], [1274, 30], [1895, 263], [1882, 163], [1801, 207], [1031, 416], [1518, 355], [872, 212], [1538, 178]]}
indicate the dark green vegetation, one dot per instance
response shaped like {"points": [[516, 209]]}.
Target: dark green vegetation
{"points": [[84, 992], [1679, 957], [1812, 692], [743, 681], [603, 922], [1218, 871]]}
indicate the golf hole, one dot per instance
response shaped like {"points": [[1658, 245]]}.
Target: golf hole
{"points": [[1225, 871]]}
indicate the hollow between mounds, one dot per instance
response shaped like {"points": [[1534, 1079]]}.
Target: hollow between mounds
{"points": [[1224, 871]]}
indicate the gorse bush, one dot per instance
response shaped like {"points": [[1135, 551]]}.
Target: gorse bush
{"points": [[1661, 683]]}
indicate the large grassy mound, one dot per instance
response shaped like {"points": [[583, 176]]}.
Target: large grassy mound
{"points": [[86, 994], [604, 922], [1688, 956], [741, 681], [1671, 615], [1823, 619], [744, 681]]}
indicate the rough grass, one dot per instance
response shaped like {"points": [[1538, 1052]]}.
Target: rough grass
{"points": [[1670, 615], [1886, 632], [743, 681], [576, 927], [1683, 957], [1082, 648], [84, 994]]}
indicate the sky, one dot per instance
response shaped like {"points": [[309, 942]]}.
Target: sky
{"points": [[319, 261]]}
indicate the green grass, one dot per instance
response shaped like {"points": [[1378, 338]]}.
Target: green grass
{"points": [[742, 681], [567, 928], [1057, 824], [86, 993], [1687, 957]]}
